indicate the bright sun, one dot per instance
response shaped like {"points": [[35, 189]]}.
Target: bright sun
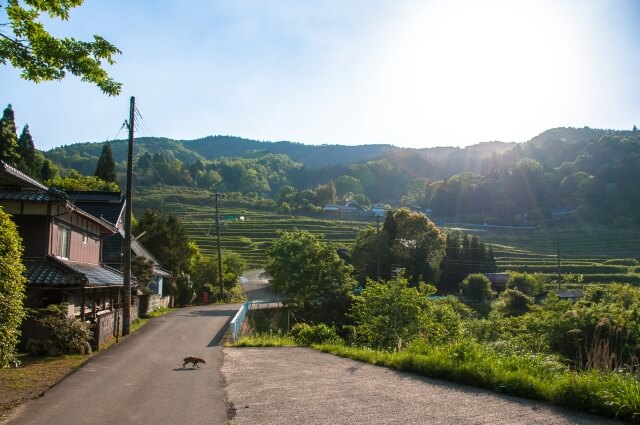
{"points": [[493, 65]]}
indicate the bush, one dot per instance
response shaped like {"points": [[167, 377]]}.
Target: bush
{"points": [[67, 335], [306, 334], [525, 283], [476, 287], [12, 283], [512, 302]]}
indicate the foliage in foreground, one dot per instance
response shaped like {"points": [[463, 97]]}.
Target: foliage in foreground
{"points": [[12, 286]]}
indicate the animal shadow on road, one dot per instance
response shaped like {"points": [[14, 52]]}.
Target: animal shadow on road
{"points": [[184, 369]]}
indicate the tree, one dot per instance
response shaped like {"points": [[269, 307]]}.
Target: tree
{"points": [[476, 287], [106, 168], [8, 138], [418, 245], [27, 46], [166, 238], [525, 283], [142, 270], [368, 247], [309, 273], [389, 314], [48, 171], [12, 287], [76, 181], [464, 255], [27, 152]]}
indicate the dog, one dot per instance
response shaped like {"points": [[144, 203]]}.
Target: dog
{"points": [[193, 360]]}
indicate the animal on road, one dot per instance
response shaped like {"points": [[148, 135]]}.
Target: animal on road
{"points": [[193, 360]]}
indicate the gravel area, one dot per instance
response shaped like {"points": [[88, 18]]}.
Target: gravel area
{"points": [[303, 386]]}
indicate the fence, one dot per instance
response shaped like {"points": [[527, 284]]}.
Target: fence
{"points": [[238, 319]]}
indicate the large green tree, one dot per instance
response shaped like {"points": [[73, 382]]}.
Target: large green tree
{"points": [[308, 272], [27, 46], [166, 238], [27, 152], [106, 168], [12, 287], [417, 245], [8, 138]]}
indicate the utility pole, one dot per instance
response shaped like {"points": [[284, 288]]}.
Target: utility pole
{"points": [[378, 248], [558, 254], [126, 287], [219, 250]]}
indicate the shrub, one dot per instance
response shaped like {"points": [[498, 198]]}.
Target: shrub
{"points": [[67, 335], [389, 314], [512, 302], [476, 287], [525, 283], [12, 282], [306, 334]]}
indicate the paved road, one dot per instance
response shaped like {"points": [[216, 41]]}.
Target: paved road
{"points": [[256, 286], [141, 380], [303, 386]]}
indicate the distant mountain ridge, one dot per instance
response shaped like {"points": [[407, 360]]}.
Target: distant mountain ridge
{"points": [[83, 156]]}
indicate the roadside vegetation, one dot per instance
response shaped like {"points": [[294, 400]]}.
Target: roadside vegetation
{"points": [[580, 354]]}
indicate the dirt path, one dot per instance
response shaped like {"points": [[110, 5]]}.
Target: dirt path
{"points": [[304, 386]]}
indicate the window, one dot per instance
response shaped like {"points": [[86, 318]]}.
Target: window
{"points": [[85, 238], [64, 236]]}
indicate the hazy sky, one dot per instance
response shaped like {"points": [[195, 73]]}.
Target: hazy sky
{"points": [[416, 73]]}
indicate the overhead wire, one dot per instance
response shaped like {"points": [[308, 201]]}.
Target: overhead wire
{"points": [[145, 130]]}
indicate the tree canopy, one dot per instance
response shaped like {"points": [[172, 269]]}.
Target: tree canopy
{"points": [[308, 271], [27, 46]]}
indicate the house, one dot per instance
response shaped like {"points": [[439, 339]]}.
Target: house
{"points": [[378, 210], [498, 280], [110, 206], [332, 209], [62, 250], [561, 213]]}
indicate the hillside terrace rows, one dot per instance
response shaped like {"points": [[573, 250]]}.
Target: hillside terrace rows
{"points": [[533, 251]]}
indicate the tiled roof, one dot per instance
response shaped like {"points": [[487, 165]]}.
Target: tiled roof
{"points": [[51, 271], [27, 195], [105, 205], [45, 272], [20, 178]]}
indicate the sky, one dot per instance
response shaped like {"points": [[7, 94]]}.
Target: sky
{"points": [[411, 73]]}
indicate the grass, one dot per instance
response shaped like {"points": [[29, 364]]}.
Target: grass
{"points": [[522, 374], [36, 374], [264, 340]]}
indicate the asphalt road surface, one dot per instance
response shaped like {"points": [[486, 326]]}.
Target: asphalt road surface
{"points": [[297, 385], [141, 379], [255, 285]]}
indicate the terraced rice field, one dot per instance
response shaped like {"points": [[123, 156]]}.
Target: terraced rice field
{"points": [[253, 235], [599, 254]]}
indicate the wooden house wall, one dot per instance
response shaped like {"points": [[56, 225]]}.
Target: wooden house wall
{"points": [[33, 230]]}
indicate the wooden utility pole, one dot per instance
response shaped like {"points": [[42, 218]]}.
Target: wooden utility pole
{"points": [[219, 249], [558, 254], [378, 248], [126, 302]]}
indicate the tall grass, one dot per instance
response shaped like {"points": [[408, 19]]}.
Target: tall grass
{"points": [[521, 374]]}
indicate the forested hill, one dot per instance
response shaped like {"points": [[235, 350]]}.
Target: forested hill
{"points": [[439, 162]]}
